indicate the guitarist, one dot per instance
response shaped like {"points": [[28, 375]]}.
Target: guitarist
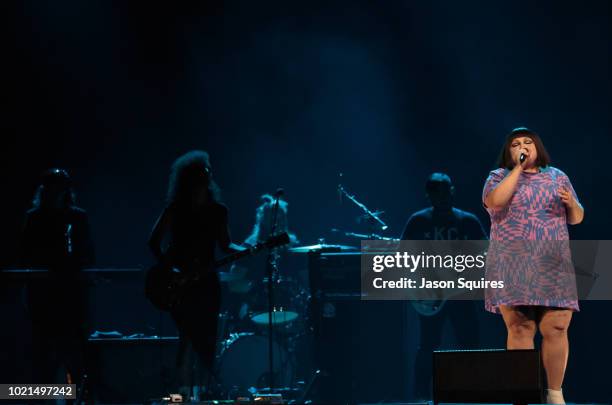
{"points": [[185, 236], [442, 221]]}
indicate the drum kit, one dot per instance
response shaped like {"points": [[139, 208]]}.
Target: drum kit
{"points": [[242, 356], [265, 331]]}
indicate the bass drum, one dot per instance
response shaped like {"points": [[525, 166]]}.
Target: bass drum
{"points": [[244, 364]]}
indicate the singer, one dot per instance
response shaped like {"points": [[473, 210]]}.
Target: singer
{"points": [[529, 200]]}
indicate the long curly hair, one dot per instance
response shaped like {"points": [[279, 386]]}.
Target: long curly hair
{"points": [[187, 172]]}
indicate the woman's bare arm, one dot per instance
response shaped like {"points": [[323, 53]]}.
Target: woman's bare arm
{"points": [[501, 195], [160, 229], [574, 210]]}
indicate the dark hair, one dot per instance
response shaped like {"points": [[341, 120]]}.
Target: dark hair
{"points": [[54, 179], [437, 180], [505, 158], [189, 170]]}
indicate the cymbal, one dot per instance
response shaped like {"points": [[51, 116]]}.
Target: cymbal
{"points": [[227, 276], [322, 247]]}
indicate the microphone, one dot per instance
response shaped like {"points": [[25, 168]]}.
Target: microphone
{"points": [[68, 235], [522, 157]]}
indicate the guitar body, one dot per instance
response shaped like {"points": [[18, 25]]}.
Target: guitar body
{"points": [[165, 285], [161, 286], [428, 307]]}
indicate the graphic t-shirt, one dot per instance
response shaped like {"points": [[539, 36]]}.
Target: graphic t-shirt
{"points": [[430, 224]]}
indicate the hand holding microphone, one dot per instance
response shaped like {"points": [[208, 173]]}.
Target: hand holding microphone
{"points": [[520, 157]]}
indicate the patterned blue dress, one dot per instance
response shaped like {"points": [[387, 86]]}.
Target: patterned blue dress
{"points": [[529, 243]]}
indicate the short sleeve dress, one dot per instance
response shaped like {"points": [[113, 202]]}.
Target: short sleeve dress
{"points": [[529, 243]]}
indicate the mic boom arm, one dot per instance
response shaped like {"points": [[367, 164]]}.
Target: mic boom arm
{"points": [[365, 209]]}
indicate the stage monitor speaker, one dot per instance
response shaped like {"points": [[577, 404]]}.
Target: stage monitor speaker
{"points": [[487, 376]]}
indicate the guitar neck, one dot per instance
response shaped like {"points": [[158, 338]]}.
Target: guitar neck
{"points": [[272, 242], [232, 258]]}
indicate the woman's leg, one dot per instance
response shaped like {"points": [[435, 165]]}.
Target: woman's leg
{"points": [[555, 346], [521, 328]]}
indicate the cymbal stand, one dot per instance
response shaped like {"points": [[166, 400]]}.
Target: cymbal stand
{"points": [[272, 270], [369, 214]]}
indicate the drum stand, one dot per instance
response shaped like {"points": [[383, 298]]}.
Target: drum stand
{"points": [[272, 270]]}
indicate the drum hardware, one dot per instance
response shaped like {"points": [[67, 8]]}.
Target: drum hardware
{"points": [[236, 279], [243, 364], [272, 270], [166, 284], [373, 216], [229, 276], [243, 373], [321, 247], [242, 355], [363, 236], [285, 308]]}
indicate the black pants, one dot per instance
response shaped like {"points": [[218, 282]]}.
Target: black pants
{"points": [[196, 320], [58, 310]]}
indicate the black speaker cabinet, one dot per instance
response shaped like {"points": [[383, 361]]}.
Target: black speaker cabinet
{"points": [[131, 370], [359, 345], [487, 376]]}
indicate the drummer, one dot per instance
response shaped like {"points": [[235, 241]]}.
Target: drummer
{"points": [[264, 217], [262, 230], [245, 290]]}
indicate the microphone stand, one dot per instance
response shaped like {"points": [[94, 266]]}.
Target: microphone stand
{"points": [[272, 269], [365, 209], [371, 236]]}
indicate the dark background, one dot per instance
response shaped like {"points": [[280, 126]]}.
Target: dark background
{"points": [[290, 94]]}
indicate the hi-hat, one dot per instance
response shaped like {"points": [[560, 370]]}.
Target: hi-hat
{"points": [[322, 247], [227, 276]]}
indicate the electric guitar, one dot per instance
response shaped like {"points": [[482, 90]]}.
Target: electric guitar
{"points": [[165, 285]]}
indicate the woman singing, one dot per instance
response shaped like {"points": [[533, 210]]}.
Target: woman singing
{"points": [[529, 200]]}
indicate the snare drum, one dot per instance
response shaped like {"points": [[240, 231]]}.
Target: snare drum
{"points": [[286, 307]]}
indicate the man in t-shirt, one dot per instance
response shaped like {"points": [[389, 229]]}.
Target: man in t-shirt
{"points": [[441, 221]]}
